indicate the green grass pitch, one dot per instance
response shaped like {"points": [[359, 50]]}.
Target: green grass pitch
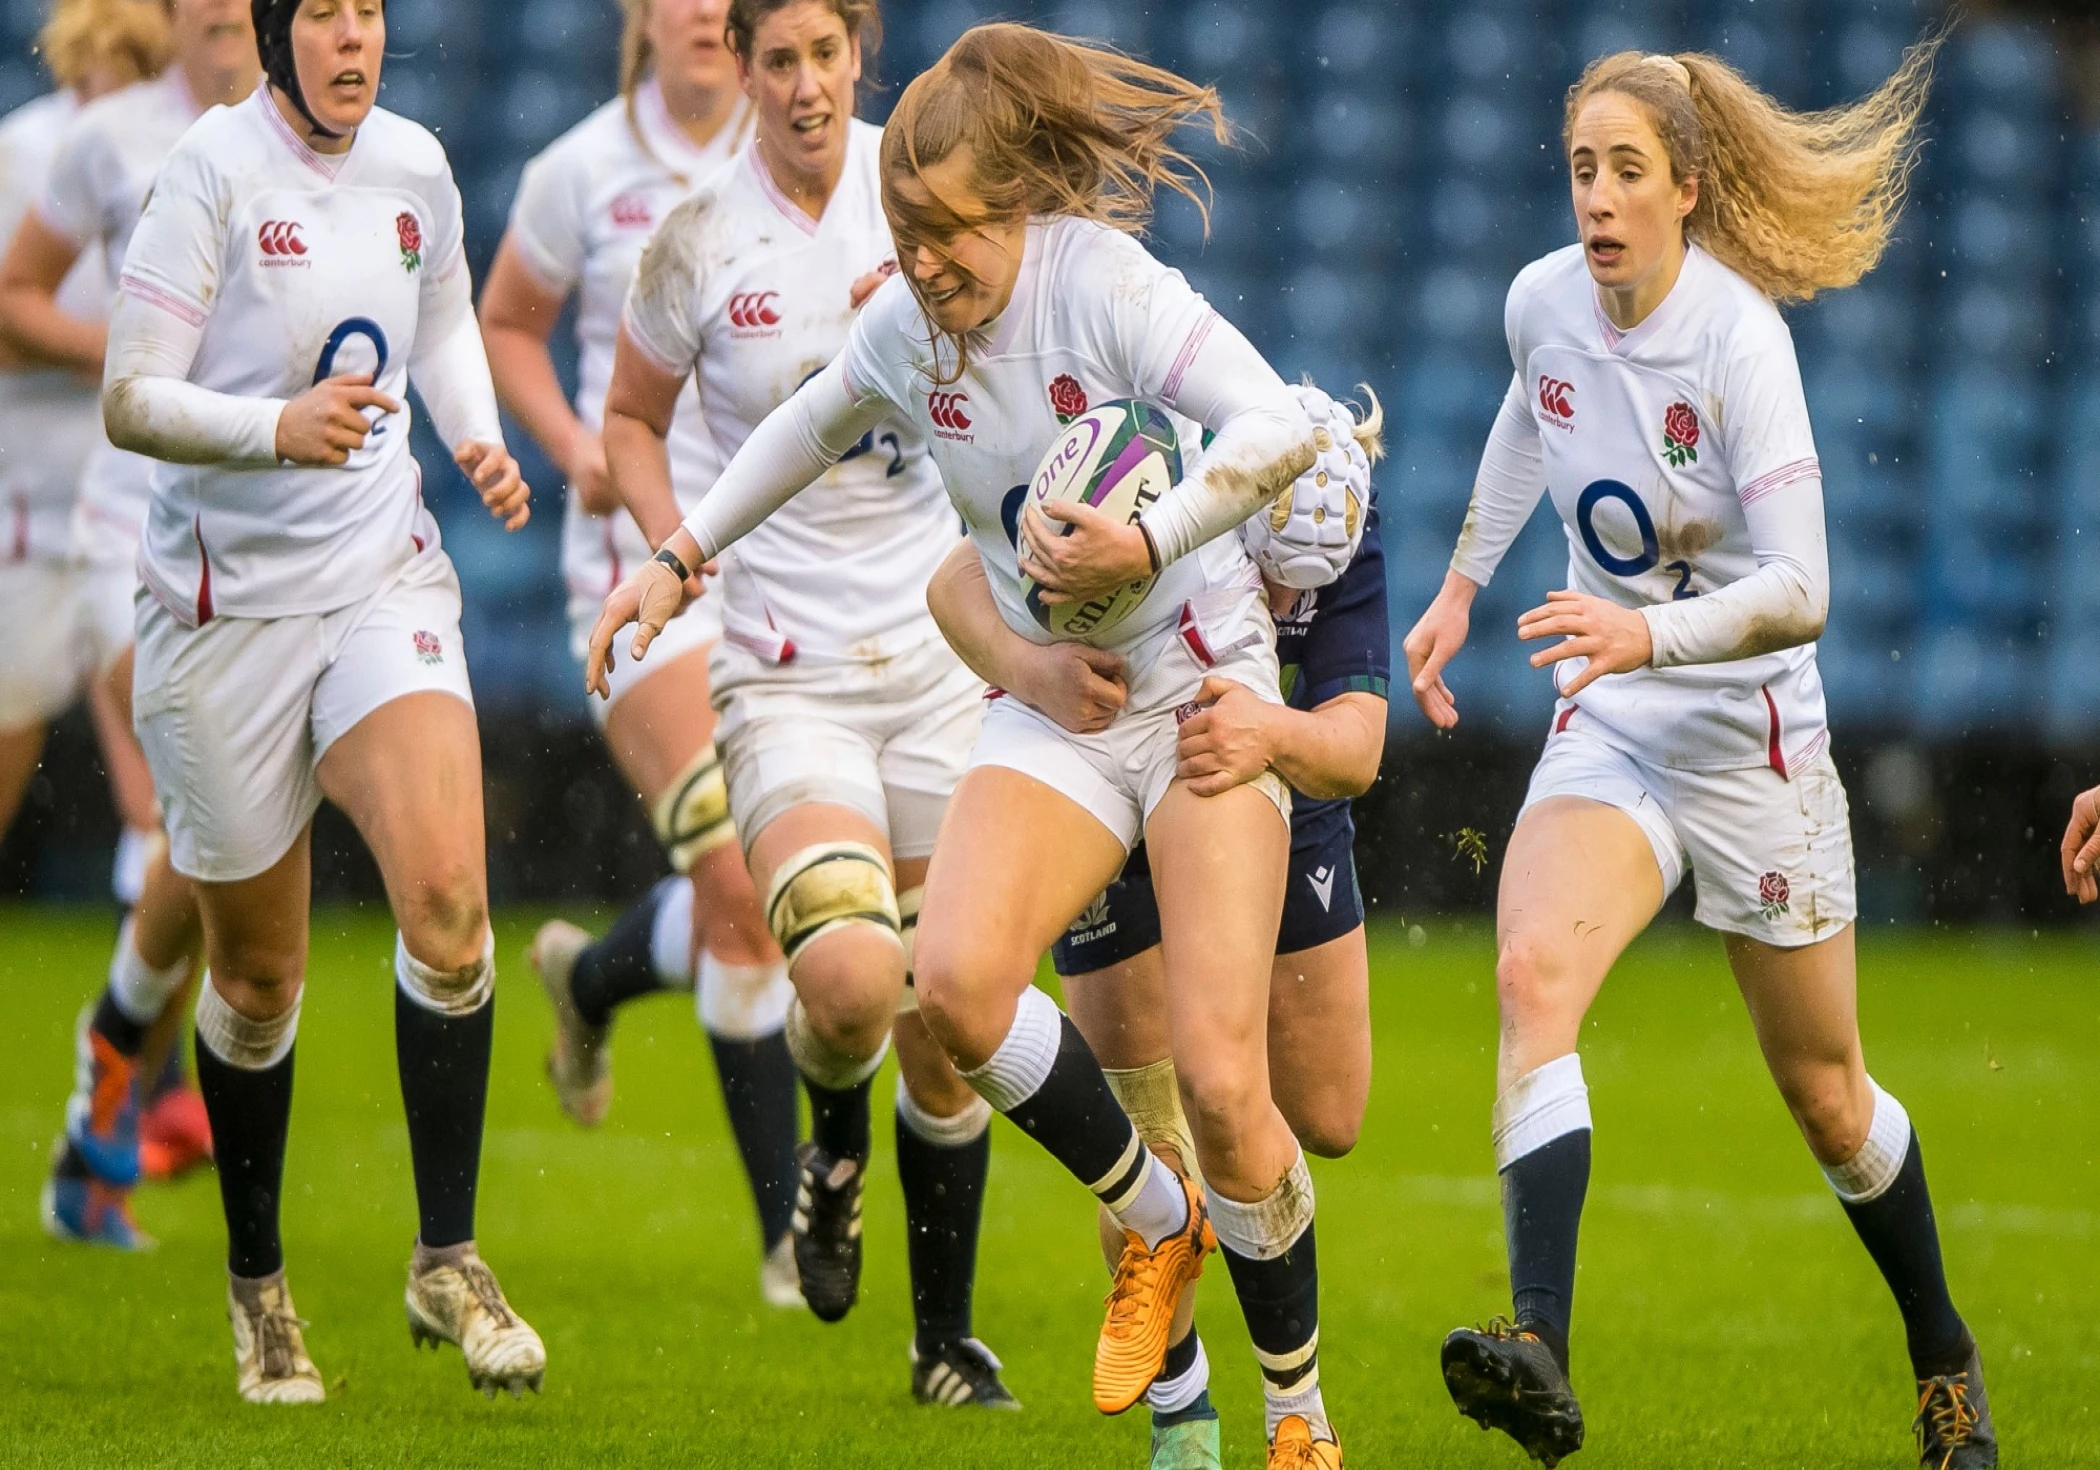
{"points": [[1726, 1315]]}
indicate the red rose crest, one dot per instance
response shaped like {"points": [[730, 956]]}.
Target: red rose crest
{"points": [[1681, 435], [1067, 398], [429, 649], [1773, 894], [410, 235]]}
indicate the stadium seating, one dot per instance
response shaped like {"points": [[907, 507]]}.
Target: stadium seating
{"points": [[1399, 166]]}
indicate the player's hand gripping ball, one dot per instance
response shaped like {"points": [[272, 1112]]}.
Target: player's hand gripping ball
{"points": [[1115, 461], [1307, 537]]}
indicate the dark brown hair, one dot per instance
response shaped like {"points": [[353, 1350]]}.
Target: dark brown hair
{"points": [[863, 21]]}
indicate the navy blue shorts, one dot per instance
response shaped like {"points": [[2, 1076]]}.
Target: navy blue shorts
{"points": [[1321, 902]]}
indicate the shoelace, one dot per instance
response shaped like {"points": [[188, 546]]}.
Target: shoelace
{"points": [[1943, 1405], [1504, 1330], [276, 1332], [1134, 1280], [481, 1282]]}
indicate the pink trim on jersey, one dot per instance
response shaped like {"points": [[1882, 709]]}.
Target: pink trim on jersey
{"points": [[1787, 474], [1560, 726], [773, 192], [1198, 334], [326, 168], [175, 306], [1612, 335], [1774, 753]]}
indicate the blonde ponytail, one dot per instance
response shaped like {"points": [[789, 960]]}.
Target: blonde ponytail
{"points": [[1796, 202]]}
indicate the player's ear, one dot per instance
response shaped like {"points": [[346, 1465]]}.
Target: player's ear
{"points": [[1687, 196]]}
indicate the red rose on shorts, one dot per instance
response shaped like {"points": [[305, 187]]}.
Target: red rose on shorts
{"points": [[410, 234], [1067, 398], [1682, 424], [1773, 893]]}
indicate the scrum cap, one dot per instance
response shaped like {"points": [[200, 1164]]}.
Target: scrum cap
{"points": [[273, 42]]}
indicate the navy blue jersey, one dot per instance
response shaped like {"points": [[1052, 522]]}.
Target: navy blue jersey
{"points": [[1337, 641]]}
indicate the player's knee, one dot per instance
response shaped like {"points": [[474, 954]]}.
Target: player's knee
{"points": [[445, 919], [849, 983], [1328, 1128], [1223, 1101], [1528, 978], [1828, 1110], [966, 994]]}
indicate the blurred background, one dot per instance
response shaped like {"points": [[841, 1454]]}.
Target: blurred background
{"points": [[1401, 163]]}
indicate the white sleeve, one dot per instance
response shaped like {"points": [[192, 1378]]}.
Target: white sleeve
{"points": [[1770, 450], [785, 454], [150, 407], [661, 316], [68, 203], [171, 276], [546, 223], [450, 366], [1781, 605], [1506, 491], [1179, 352]]}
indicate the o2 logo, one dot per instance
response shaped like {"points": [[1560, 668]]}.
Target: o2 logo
{"points": [[1651, 548], [370, 331]]}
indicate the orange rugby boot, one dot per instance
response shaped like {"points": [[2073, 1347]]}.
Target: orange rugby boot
{"points": [[1148, 1285]]}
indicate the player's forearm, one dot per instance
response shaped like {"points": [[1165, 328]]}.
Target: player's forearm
{"points": [[638, 459], [960, 600], [450, 367], [149, 407], [36, 326], [1784, 604], [1332, 751], [1263, 441], [795, 444], [1506, 490], [530, 389]]}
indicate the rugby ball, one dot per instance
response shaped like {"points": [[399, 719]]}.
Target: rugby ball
{"points": [[1118, 458]]}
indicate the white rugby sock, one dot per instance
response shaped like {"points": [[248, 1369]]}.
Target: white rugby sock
{"points": [[671, 934], [252, 1046], [1267, 1227], [1172, 1395], [742, 1002], [1018, 1069], [448, 992], [1303, 1400], [1869, 1172], [127, 870], [1545, 1103], [966, 1126], [140, 991]]}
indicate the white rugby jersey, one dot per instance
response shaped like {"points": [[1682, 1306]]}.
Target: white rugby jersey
{"points": [[748, 292], [96, 192], [295, 267], [1093, 318], [1656, 446], [50, 418], [585, 208]]}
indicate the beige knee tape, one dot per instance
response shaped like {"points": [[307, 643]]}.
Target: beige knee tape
{"points": [[827, 887], [908, 930], [692, 816], [1152, 1097]]}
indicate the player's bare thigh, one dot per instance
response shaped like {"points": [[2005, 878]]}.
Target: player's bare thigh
{"points": [[1804, 1003], [1579, 883], [1016, 862], [1219, 865], [408, 775], [255, 932], [1320, 1041]]}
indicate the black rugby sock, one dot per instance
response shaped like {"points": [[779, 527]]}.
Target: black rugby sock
{"points": [[758, 1089], [251, 1112], [1074, 1114], [838, 1119], [1899, 1232], [1280, 1298], [943, 1206], [1542, 1195], [444, 1062], [119, 1030], [621, 965]]}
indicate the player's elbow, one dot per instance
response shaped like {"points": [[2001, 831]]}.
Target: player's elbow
{"points": [[124, 418]]}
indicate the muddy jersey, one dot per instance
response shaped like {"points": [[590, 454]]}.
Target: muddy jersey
{"points": [[295, 267], [585, 208], [1093, 318], [94, 197], [750, 294], [50, 418], [1654, 441]]}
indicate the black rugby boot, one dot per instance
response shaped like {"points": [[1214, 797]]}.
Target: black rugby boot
{"points": [[957, 1374], [827, 1231], [1504, 1376], [1953, 1427]]}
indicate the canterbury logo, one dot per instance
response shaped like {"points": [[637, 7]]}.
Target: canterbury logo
{"points": [[280, 237], [946, 410], [754, 309], [1557, 398]]}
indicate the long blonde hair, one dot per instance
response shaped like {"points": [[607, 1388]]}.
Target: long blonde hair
{"points": [[1054, 125], [83, 35], [1796, 202]]}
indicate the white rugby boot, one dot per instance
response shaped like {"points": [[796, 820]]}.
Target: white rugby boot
{"points": [[453, 1297], [778, 1280], [267, 1346], [578, 1065]]}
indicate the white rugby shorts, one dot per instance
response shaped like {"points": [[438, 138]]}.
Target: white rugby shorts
{"points": [[889, 739], [66, 623], [1771, 854], [236, 715], [698, 627], [1120, 774]]}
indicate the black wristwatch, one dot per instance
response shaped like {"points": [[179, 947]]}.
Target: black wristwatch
{"points": [[670, 559]]}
